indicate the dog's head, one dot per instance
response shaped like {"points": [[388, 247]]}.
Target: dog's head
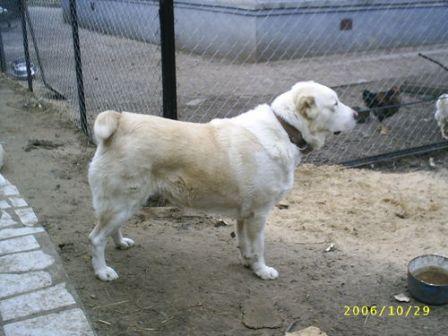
{"points": [[315, 110]]}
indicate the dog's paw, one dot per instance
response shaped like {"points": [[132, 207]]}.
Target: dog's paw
{"points": [[107, 274], [125, 243], [266, 273], [245, 261]]}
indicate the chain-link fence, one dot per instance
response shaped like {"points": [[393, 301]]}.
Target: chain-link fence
{"points": [[120, 69], [52, 50], [120, 57], [11, 32], [233, 55]]}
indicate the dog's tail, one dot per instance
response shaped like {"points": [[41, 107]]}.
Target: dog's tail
{"points": [[105, 125]]}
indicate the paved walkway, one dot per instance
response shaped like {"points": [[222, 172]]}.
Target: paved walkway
{"points": [[35, 295]]}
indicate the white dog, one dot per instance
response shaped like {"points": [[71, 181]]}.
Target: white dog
{"points": [[441, 114], [238, 167]]}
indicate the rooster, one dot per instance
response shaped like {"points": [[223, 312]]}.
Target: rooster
{"points": [[383, 104], [363, 115]]}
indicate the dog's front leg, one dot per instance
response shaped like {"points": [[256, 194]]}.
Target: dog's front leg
{"points": [[121, 242], [254, 227]]}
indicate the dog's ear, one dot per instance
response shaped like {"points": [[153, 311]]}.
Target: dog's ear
{"points": [[305, 105]]}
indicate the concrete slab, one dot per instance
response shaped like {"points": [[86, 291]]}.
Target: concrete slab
{"points": [[25, 261], [9, 233], [11, 284], [27, 216], [6, 219], [36, 302], [9, 190], [33, 301], [68, 323], [21, 244], [4, 204], [17, 202], [3, 181]]}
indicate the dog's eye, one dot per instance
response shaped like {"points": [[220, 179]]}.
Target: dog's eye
{"points": [[336, 104]]}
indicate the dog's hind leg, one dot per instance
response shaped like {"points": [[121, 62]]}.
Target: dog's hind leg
{"points": [[242, 242], [108, 224], [121, 242], [255, 238]]}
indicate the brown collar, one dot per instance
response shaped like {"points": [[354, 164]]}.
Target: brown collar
{"points": [[295, 136]]}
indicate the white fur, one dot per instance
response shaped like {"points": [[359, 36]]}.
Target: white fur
{"points": [[239, 167], [441, 114], [106, 124]]}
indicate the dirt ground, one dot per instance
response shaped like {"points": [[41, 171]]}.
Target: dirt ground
{"points": [[183, 277]]}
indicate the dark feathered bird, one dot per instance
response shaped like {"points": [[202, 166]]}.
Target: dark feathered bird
{"points": [[363, 114], [383, 104]]}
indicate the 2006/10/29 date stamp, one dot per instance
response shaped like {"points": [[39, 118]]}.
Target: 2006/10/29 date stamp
{"points": [[387, 311]]}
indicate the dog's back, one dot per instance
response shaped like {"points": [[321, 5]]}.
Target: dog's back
{"points": [[140, 155]]}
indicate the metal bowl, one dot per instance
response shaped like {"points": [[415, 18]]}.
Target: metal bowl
{"points": [[18, 68], [428, 279]]}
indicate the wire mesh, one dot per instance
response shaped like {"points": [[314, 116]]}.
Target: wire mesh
{"points": [[11, 31], [121, 70], [120, 57], [52, 50], [234, 55], [351, 46]]}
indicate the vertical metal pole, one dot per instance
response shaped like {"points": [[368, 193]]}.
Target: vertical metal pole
{"points": [[22, 7], [168, 49], [57, 95], [78, 66], [2, 54]]}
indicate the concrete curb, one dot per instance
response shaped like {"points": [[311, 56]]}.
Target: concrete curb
{"points": [[36, 297]]}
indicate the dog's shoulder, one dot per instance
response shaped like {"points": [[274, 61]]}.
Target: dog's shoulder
{"points": [[262, 123]]}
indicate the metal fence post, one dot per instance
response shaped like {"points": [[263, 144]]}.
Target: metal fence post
{"points": [[78, 66], [2, 54], [168, 49], [22, 7]]}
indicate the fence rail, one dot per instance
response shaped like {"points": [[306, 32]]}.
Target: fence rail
{"points": [[229, 56]]}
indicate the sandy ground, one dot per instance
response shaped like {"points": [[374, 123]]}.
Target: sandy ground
{"points": [[124, 74], [183, 276]]}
